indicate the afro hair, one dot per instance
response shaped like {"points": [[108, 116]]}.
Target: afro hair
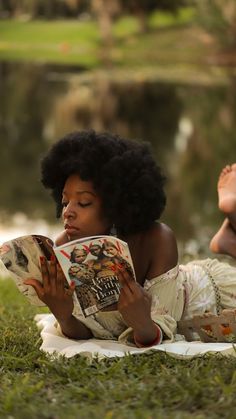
{"points": [[123, 172]]}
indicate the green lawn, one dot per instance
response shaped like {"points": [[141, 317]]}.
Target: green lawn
{"points": [[56, 42], [171, 39], [144, 386]]}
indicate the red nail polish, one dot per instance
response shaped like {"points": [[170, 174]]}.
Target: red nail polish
{"points": [[52, 258], [42, 259]]}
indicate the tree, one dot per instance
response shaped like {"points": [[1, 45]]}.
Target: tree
{"points": [[105, 10], [24, 105], [142, 8], [219, 18], [43, 8]]}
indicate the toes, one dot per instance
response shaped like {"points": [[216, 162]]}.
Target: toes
{"points": [[227, 169]]}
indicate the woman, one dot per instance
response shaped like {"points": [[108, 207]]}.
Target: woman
{"points": [[100, 181]]}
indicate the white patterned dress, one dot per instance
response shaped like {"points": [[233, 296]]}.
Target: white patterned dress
{"points": [[181, 293]]}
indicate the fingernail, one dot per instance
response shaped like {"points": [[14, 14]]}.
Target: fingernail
{"points": [[52, 258], [72, 283], [114, 268], [42, 259]]}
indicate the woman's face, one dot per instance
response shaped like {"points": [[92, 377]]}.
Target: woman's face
{"points": [[82, 212]]}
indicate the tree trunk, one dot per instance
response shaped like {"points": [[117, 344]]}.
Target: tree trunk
{"points": [[143, 21], [104, 20]]}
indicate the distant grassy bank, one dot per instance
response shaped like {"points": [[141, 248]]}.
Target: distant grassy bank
{"points": [[143, 386], [170, 39]]}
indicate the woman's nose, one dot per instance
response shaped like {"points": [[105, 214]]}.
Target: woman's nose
{"points": [[69, 211]]}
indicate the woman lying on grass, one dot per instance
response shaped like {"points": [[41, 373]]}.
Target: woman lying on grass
{"points": [[100, 181]]}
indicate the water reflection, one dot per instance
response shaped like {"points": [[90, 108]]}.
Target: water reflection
{"points": [[191, 129]]}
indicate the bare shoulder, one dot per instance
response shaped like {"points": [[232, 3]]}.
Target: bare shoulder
{"points": [[163, 251], [160, 231], [153, 251]]}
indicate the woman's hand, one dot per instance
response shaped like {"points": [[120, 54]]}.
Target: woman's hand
{"points": [[135, 307], [52, 290]]}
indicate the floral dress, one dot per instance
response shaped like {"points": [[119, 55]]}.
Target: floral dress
{"points": [[179, 294]]}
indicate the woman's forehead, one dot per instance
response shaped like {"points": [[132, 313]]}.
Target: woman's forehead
{"points": [[76, 185]]}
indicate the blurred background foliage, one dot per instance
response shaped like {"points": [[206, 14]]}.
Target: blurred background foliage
{"points": [[162, 71], [217, 16]]}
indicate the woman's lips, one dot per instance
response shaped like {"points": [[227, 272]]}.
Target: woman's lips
{"points": [[71, 229]]}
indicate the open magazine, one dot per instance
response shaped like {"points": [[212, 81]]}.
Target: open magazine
{"points": [[89, 262]]}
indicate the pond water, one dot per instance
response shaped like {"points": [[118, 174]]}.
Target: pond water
{"points": [[191, 126]]}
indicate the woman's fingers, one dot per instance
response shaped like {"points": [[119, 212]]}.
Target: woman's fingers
{"points": [[36, 285], [52, 275], [45, 273], [53, 279], [61, 279], [70, 290], [126, 280], [130, 289]]}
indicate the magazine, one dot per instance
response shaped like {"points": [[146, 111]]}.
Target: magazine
{"points": [[89, 262], [21, 257]]}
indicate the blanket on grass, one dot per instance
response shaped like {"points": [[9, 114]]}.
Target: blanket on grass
{"points": [[54, 343]]}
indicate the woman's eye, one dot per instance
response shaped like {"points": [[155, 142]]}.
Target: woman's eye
{"points": [[84, 204], [64, 204]]}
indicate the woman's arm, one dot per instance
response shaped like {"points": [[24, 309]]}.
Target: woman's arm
{"points": [[74, 329], [160, 250], [135, 307]]}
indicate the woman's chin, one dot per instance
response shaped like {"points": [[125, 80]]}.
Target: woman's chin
{"points": [[73, 234]]}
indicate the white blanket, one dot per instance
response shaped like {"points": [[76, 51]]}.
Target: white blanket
{"points": [[54, 343]]}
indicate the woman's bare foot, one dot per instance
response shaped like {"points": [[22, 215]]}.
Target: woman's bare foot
{"points": [[224, 241], [227, 190]]}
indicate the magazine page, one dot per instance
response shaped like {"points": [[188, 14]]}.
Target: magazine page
{"points": [[21, 257], [90, 263]]}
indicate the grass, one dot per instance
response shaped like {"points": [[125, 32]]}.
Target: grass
{"points": [[34, 385], [171, 39], [56, 42]]}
